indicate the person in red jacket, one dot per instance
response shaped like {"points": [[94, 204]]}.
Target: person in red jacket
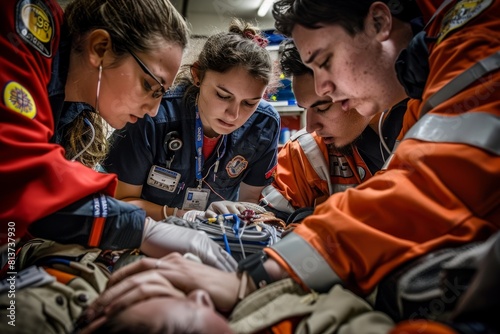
{"points": [[440, 187], [61, 75]]}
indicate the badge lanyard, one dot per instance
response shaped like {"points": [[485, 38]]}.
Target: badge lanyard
{"points": [[200, 159]]}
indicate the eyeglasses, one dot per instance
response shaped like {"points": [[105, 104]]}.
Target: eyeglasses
{"points": [[157, 92]]}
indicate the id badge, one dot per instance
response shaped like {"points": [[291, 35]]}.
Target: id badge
{"points": [[162, 178], [196, 199]]}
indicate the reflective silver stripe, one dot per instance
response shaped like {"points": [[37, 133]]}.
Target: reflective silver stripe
{"points": [[461, 81], [299, 133], [479, 129], [309, 266], [338, 188], [315, 157], [276, 200]]}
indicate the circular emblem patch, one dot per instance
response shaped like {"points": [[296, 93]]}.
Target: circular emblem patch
{"points": [[17, 98], [237, 165]]}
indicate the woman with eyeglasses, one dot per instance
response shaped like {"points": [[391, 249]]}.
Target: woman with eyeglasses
{"points": [[214, 137], [64, 78]]}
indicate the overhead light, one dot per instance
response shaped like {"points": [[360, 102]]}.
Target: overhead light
{"points": [[264, 7]]}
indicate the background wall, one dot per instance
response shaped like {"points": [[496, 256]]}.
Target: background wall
{"points": [[208, 16], [205, 16]]}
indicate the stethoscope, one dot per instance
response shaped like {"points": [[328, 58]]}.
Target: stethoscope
{"points": [[172, 143]]}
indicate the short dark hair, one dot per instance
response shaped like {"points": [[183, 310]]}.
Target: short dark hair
{"points": [[349, 14], [290, 62]]}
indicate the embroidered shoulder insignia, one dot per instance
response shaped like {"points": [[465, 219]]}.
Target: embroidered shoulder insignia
{"points": [[35, 25], [17, 98], [460, 14], [272, 172], [236, 166]]}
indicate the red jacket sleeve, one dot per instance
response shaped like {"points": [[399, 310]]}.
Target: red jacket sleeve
{"points": [[36, 179]]}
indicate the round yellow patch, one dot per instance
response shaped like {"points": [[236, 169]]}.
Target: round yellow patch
{"points": [[17, 98]]}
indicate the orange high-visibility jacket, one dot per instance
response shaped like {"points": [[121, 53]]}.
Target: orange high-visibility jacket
{"points": [[442, 185], [309, 170]]}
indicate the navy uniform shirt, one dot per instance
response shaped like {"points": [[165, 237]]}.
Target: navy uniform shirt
{"points": [[250, 152]]}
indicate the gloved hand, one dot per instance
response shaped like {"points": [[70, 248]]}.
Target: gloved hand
{"points": [[224, 207], [191, 215], [160, 239]]}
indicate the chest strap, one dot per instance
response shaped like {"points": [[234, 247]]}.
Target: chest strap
{"points": [[314, 156]]}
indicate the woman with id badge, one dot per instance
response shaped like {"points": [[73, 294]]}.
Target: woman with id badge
{"points": [[214, 138]]}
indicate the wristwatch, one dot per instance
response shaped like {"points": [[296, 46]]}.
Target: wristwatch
{"points": [[254, 266]]}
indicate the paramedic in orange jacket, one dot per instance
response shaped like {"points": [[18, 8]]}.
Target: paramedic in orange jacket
{"points": [[441, 186], [336, 150]]}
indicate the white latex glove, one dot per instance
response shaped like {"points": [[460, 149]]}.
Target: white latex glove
{"points": [[192, 214], [224, 207], [160, 239]]}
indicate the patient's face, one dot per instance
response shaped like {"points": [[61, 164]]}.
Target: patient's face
{"points": [[194, 314]]}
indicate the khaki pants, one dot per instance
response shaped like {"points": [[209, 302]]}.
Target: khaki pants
{"points": [[338, 311], [54, 305]]}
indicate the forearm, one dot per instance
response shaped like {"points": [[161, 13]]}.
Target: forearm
{"points": [[153, 210], [275, 271], [121, 226], [249, 193], [359, 236]]}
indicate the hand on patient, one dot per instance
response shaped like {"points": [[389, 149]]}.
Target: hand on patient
{"points": [[141, 299], [160, 239], [172, 277]]}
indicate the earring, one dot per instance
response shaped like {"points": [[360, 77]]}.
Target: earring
{"points": [[197, 84], [98, 89]]}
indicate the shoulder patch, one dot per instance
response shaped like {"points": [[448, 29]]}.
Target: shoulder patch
{"points": [[272, 172], [236, 166], [17, 98], [35, 25], [460, 14]]}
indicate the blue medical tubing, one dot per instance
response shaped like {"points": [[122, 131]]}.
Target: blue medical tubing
{"points": [[220, 219]]}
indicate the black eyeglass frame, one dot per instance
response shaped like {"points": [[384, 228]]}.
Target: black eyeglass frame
{"points": [[157, 93]]}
